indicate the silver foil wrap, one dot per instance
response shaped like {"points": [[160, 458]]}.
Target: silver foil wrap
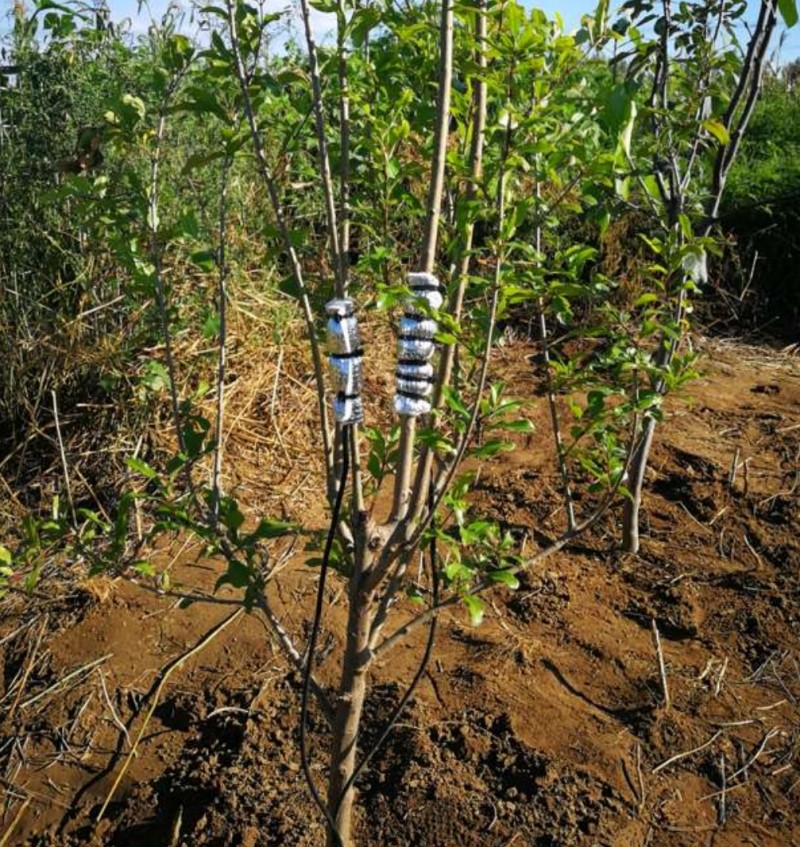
{"points": [[347, 374], [340, 307], [416, 379], [427, 287], [345, 363], [414, 349], [348, 410], [416, 387], [415, 370], [414, 327], [411, 407], [343, 334]]}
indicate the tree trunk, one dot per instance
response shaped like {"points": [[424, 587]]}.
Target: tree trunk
{"points": [[350, 706], [630, 515]]}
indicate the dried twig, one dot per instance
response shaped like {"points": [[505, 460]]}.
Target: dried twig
{"points": [[28, 669], [63, 455], [115, 717], [56, 686], [17, 818], [174, 665], [679, 756], [662, 667]]}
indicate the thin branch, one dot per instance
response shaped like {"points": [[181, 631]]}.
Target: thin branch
{"points": [[562, 541], [402, 488], [280, 217], [544, 342], [322, 144], [289, 649], [222, 352], [155, 257], [479, 99], [750, 83], [344, 144], [174, 665]]}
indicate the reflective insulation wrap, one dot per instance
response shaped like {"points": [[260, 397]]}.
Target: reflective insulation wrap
{"points": [[414, 349], [426, 286], [411, 407], [346, 361], [348, 410], [342, 328], [414, 327], [414, 387], [347, 374], [415, 380], [415, 370]]}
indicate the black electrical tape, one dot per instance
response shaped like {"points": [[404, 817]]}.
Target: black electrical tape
{"points": [[410, 395], [427, 379], [353, 354], [415, 362], [312, 644]]}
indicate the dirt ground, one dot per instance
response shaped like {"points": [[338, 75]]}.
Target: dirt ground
{"points": [[545, 726]]}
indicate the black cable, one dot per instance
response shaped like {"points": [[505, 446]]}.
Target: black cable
{"points": [[426, 656], [312, 644]]}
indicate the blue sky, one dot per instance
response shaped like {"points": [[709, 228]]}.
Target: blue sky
{"points": [[570, 10]]}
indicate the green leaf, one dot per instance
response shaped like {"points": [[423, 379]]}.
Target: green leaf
{"points": [[627, 130], [505, 578], [204, 259], [141, 467], [492, 448], [269, 528], [788, 10], [237, 575], [717, 129], [5, 555], [476, 608]]}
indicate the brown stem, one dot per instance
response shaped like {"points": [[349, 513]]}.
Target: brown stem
{"points": [[544, 342], [322, 144], [297, 272], [402, 488], [350, 705], [344, 143], [447, 361], [222, 353]]}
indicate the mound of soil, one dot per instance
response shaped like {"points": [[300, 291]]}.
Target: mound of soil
{"points": [[545, 726]]}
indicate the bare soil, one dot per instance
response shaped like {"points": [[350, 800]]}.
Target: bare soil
{"points": [[545, 726]]}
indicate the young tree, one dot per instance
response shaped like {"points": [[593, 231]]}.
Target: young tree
{"points": [[699, 100]]}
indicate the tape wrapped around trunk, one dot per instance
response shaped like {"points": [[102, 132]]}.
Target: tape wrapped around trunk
{"points": [[345, 362], [343, 336], [347, 374], [426, 287], [415, 347], [348, 410], [414, 327], [411, 407]]}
